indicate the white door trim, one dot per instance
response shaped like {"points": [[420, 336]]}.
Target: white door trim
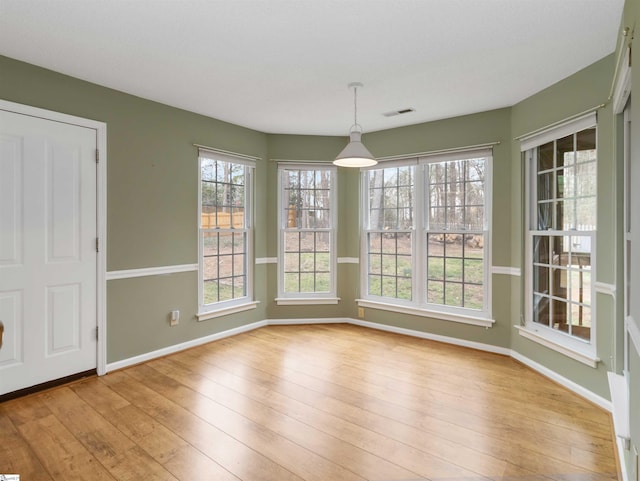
{"points": [[101, 212]]}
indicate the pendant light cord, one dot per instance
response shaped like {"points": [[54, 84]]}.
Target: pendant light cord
{"points": [[355, 105], [356, 125], [355, 154]]}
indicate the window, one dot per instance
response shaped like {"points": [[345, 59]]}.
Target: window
{"points": [[225, 240], [307, 234], [390, 232], [455, 233], [561, 210], [426, 233]]}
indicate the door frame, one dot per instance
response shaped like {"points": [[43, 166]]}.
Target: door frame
{"points": [[101, 212]]}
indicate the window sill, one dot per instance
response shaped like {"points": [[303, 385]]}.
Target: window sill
{"points": [[306, 301], [579, 355], [203, 316], [416, 311]]}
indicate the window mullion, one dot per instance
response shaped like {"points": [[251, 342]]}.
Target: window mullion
{"points": [[418, 238], [299, 268]]}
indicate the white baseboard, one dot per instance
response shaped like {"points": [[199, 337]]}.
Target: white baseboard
{"points": [[320, 320], [165, 351], [563, 381], [626, 476], [281, 322], [433, 337], [572, 386], [148, 356]]}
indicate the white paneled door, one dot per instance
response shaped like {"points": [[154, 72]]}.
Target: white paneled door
{"points": [[47, 250]]}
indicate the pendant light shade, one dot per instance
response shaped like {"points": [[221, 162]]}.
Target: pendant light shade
{"points": [[355, 154]]}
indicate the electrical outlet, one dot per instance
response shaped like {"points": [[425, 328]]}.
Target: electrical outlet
{"points": [[174, 318], [361, 312]]}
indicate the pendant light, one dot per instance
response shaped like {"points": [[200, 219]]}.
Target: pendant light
{"points": [[355, 154]]}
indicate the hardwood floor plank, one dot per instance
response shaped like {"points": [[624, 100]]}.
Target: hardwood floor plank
{"points": [[476, 373], [174, 453], [387, 381], [439, 356], [124, 459], [381, 424], [234, 456], [293, 457], [260, 411], [60, 453], [313, 402], [339, 429], [457, 383], [16, 456], [303, 380], [496, 375], [404, 455], [24, 410]]}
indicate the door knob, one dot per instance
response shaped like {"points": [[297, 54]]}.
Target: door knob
{"points": [[1, 333]]}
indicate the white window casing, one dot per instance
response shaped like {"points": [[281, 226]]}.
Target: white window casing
{"points": [[307, 274], [544, 136], [560, 278], [222, 259], [414, 225]]}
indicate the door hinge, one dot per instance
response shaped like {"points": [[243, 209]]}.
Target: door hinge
{"points": [[97, 156], [97, 244], [97, 331]]}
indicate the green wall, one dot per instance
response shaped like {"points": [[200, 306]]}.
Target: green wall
{"points": [[152, 200], [573, 95], [152, 172], [152, 205], [305, 148]]}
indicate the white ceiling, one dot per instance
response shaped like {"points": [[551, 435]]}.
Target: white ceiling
{"points": [[282, 66]]}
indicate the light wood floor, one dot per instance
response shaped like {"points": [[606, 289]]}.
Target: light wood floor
{"points": [[320, 403]]}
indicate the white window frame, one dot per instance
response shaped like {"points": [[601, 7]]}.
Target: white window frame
{"points": [[222, 308], [419, 305], [629, 250], [307, 298], [571, 346], [411, 230]]}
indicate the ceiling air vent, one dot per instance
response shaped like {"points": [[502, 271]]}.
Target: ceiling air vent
{"points": [[398, 112]]}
